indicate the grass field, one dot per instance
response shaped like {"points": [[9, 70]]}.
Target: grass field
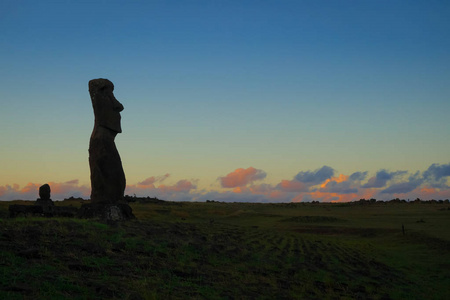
{"points": [[232, 251]]}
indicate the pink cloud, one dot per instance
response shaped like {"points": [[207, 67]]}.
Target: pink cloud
{"points": [[69, 189], [30, 187], [59, 191], [241, 177], [424, 193], [433, 193], [180, 186], [74, 181], [180, 191], [320, 185], [150, 181], [14, 192], [241, 190], [292, 186]]}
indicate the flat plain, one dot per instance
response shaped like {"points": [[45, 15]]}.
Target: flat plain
{"points": [[212, 250]]}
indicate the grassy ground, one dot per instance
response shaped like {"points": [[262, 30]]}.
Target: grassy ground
{"points": [[232, 251]]}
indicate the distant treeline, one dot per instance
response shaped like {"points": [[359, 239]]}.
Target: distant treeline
{"points": [[361, 201], [127, 198], [142, 199], [134, 198], [398, 200]]}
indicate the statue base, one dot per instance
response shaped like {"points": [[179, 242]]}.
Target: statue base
{"points": [[44, 202]]}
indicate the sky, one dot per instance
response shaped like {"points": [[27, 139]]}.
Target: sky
{"points": [[258, 101]]}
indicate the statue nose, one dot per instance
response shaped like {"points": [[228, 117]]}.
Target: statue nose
{"points": [[118, 106]]}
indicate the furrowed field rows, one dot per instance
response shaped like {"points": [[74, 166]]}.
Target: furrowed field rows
{"points": [[180, 252], [220, 262], [326, 267]]}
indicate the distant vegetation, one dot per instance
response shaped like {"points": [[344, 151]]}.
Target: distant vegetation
{"points": [[130, 199], [213, 250], [149, 199]]}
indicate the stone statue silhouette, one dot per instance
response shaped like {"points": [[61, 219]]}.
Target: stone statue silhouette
{"points": [[107, 176], [44, 196], [44, 192]]}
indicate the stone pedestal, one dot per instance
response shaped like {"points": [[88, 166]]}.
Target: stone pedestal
{"points": [[44, 202]]}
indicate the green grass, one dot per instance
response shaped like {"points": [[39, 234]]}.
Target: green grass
{"points": [[232, 251]]}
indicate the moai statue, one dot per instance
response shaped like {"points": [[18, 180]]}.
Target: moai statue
{"points": [[44, 192], [107, 176], [44, 196]]}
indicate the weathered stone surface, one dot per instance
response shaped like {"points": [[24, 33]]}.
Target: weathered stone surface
{"points": [[107, 175]]}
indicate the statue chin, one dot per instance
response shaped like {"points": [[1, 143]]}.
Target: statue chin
{"points": [[116, 129], [112, 123]]}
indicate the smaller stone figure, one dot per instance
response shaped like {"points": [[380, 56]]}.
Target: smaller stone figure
{"points": [[43, 206], [44, 194]]}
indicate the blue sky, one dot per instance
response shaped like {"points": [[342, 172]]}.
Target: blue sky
{"points": [[212, 87]]}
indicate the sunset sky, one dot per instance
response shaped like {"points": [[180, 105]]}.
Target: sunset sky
{"points": [[267, 101]]}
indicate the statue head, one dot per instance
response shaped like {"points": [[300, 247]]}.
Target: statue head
{"points": [[44, 192], [106, 107]]}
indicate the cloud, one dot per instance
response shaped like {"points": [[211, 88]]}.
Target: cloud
{"points": [[437, 175], [358, 176], [241, 177], [147, 182], [341, 184], [230, 196], [262, 188], [344, 187], [181, 186], [150, 181], [319, 185], [324, 197], [292, 186], [68, 189], [74, 181], [315, 177], [428, 193], [182, 190], [304, 180], [413, 182], [437, 171], [14, 192], [381, 178], [303, 198], [59, 191], [399, 188]]}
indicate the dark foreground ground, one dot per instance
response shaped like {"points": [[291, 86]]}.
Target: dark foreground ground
{"points": [[231, 251]]}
